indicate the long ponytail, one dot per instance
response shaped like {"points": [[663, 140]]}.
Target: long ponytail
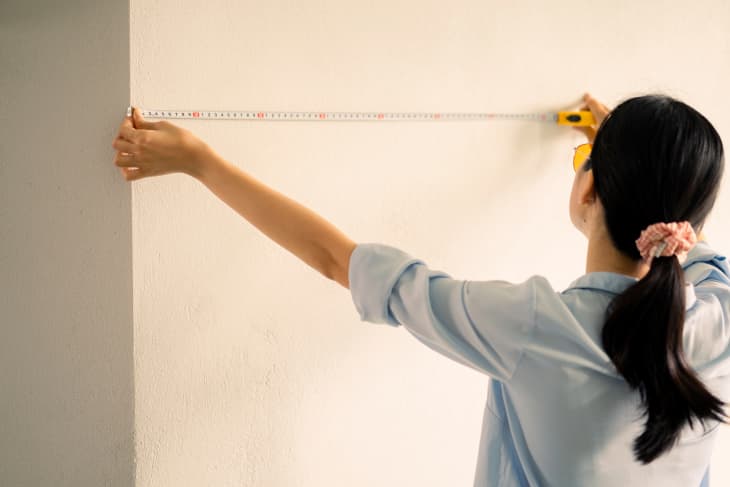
{"points": [[656, 159], [643, 337]]}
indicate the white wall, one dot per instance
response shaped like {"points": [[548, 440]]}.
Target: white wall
{"points": [[66, 362], [250, 368]]}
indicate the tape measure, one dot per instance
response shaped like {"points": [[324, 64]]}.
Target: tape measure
{"points": [[575, 118]]}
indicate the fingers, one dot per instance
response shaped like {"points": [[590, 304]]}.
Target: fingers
{"points": [[123, 145], [135, 129], [133, 173], [125, 160], [132, 134], [130, 139], [130, 168], [128, 132], [140, 122], [600, 111]]}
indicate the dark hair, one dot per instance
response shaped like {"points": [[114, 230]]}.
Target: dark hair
{"points": [[656, 159]]}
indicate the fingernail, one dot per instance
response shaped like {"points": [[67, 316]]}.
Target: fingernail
{"points": [[129, 111]]}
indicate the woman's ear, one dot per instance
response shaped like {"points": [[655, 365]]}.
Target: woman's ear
{"points": [[586, 188]]}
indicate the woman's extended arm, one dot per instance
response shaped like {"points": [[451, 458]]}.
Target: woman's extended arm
{"points": [[146, 149], [293, 226]]}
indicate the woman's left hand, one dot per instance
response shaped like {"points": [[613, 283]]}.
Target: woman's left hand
{"points": [[599, 111], [146, 149]]}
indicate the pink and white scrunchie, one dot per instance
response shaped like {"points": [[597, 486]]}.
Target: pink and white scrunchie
{"points": [[666, 239]]}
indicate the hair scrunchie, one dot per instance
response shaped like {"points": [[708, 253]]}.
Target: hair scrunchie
{"points": [[666, 239]]}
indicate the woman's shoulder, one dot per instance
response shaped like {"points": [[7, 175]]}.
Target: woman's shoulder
{"points": [[705, 266]]}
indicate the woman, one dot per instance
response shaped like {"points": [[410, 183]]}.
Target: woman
{"points": [[604, 383]]}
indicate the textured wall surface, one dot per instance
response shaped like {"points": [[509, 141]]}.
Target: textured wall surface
{"points": [[252, 369], [66, 377]]}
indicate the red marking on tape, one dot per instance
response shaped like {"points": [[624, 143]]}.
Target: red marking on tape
{"points": [[381, 116], [436, 115], [260, 115], [322, 115], [196, 114]]}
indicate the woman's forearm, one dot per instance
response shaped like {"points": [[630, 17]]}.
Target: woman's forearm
{"points": [[293, 226]]}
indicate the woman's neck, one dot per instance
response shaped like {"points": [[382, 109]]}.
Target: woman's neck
{"points": [[604, 257]]}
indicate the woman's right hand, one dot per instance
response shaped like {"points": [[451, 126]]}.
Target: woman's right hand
{"points": [[599, 111]]}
